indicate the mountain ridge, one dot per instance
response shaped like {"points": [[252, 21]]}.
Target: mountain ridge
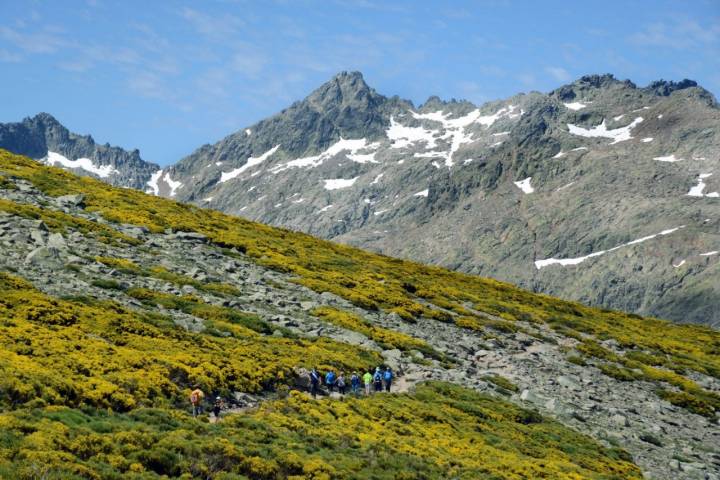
{"points": [[44, 138], [466, 156]]}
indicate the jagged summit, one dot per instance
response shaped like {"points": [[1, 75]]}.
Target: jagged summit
{"points": [[44, 138]]}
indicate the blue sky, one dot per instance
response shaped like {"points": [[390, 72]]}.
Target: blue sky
{"points": [[167, 77]]}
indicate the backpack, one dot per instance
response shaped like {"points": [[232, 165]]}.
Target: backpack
{"points": [[341, 382], [377, 377], [388, 375], [330, 378], [194, 398]]}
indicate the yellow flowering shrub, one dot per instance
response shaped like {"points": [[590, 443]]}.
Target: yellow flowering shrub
{"points": [[375, 281], [440, 431], [61, 352], [384, 337]]}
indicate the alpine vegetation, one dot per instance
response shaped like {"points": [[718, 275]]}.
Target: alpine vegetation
{"points": [[145, 338]]}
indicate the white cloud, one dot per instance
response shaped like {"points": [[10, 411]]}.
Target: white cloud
{"points": [[679, 34], [558, 73], [47, 40], [9, 57], [218, 27]]}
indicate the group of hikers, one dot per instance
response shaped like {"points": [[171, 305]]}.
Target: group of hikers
{"points": [[378, 381], [196, 401]]}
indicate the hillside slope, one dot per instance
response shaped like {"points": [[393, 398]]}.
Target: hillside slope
{"points": [[599, 191], [114, 303]]}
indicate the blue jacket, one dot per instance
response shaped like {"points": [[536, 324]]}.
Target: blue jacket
{"points": [[330, 378], [387, 376]]}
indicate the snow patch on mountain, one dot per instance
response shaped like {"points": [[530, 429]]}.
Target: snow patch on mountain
{"points": [[172, 184], [539, 264], [525, 186], [102, 171], [454, 130], [402, 136], [575, 105], [251, 162], [423, 193], [709, 254], [697, 190], [617, 134], [153, 183], [338, 183], [342, 145], [647, 139], [668, 158]]}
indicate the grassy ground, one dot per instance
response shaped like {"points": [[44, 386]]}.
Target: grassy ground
{"points": [[441, 431]]}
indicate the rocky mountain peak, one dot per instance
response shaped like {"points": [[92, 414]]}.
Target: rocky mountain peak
{"points": [[580, 87], [43, 118], [344, 90], [44, 138], [665, 88]]}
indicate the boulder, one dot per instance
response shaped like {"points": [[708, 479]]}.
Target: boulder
{"points": [[45, 256], [392, 358], [532, 397], [57, 241], [567, 382], [189, 236], [38, 237], [619, 420], [77, 200], [302, 378]]}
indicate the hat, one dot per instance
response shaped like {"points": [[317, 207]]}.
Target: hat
{"points": [[217, 398]]}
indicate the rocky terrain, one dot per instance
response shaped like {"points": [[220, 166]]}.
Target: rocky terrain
{"points": [[599, 191], [43, 138], [536, 365]]}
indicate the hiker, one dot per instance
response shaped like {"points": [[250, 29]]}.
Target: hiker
{"points": [[355, 383], [196, 398], [314, 382], [387, 378], [330, 380], [367, 380], [217, 406], [341, 383], [377, 379]]}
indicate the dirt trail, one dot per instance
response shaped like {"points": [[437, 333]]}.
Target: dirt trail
{"points": [[399, 385]]}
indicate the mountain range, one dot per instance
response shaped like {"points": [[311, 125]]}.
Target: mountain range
{"points": [[598, 191]]}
